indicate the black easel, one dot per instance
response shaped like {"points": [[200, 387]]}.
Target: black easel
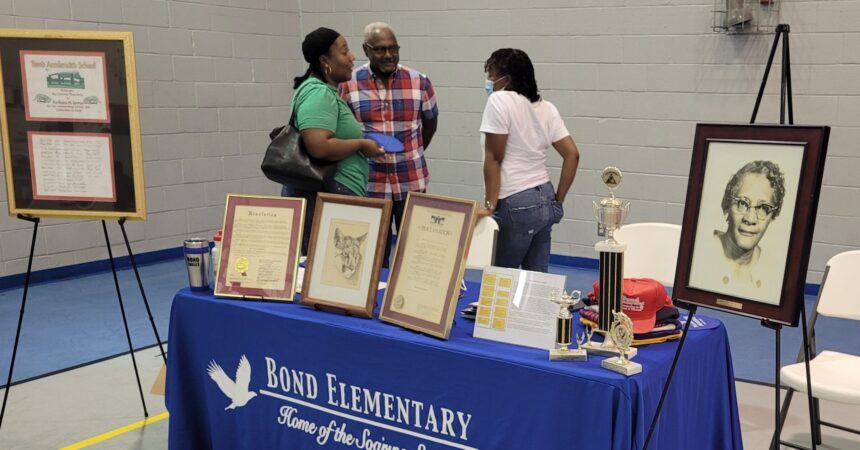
{"points": [[785, 103], [35, 221]]}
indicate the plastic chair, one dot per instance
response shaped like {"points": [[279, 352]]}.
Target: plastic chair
{"points": [[652, 250], [482, 251], [834, 376]]}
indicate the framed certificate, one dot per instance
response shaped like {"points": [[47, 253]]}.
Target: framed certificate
{"points": [[428, 265], [71, 138], [345, 254], [260, 247], [751, 204]]}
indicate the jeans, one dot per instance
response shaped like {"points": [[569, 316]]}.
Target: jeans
{"points": [[310, 204], [525, 225]]}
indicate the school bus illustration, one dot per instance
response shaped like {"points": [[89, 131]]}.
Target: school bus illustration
{"points": [[72, 80]]}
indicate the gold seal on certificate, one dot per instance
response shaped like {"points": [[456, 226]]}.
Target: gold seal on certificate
{"points": [[562, 352], [621, 333], [242, 265]]}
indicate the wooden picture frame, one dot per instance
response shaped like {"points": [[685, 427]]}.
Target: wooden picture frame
{"points": [[752, 198], [71, 133], [346, 249], [260, 247], [429, 261]]}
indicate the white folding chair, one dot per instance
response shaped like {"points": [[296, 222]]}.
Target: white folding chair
{"points": [[482, 251], [834, 376], [652, 250]]}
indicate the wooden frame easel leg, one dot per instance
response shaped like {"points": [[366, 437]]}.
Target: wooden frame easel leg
{"points": [[124, 321], [35, 221]]}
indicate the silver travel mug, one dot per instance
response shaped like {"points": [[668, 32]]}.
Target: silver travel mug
{"points": [[197, 260]]}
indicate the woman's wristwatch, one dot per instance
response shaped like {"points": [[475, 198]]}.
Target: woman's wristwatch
{"points": [[489, 205]]}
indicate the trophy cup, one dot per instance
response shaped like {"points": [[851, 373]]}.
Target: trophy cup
{"points": [[621, 332], [610, 213], [562, 352]]}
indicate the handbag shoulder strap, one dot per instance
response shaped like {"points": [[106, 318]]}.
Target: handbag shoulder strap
{"points": [[292, 121]]}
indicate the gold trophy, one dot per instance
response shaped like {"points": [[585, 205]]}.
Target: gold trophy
{"points": [[611, 212], [621, 333], [562, 352]]}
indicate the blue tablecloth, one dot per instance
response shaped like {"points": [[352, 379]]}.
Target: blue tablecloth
{"points": [[328, 381]]}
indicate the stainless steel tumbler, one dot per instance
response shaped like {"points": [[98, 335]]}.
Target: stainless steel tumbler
{"points": [[197, 259]]}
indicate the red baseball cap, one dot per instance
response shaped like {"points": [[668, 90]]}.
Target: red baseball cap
{"points": [[641, 300]]}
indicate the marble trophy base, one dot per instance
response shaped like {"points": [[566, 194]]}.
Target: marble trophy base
{"points": [[626, 368], [607, 348], [568, 354]]}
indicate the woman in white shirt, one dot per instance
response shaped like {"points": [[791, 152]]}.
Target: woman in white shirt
{"points": [[517, 128]]}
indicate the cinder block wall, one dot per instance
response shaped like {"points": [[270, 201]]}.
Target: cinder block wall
{"points": [[213, 77], [631, 78]]}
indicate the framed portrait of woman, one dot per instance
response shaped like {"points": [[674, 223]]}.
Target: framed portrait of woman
{"points": [[752, 198], [345, 253]]}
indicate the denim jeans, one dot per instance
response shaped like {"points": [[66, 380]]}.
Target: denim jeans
{"points": [[525, 225], [310, 203]]}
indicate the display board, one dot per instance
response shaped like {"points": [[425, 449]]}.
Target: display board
{"points": [[752, 198], [71, 134]]}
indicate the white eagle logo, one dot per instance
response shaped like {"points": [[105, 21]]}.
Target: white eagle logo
{"points": [[236, 391]]}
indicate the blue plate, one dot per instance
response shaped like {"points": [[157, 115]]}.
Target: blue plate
{"points": [[388, 142]]}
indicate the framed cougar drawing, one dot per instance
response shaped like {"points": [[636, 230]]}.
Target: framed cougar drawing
{"points": [[345, 253]]}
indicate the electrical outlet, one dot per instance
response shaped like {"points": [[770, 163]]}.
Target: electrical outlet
{"points": [[601, 230]]}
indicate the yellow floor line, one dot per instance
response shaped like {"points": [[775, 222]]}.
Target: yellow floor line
{"points": [[110, 434]]}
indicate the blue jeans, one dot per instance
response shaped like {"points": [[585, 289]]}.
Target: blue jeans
{"points": [[525, 225], [310, 203]]}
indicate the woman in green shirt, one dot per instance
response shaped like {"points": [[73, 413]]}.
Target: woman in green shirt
{"points": [[328, 126]]}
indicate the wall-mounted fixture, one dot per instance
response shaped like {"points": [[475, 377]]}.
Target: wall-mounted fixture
{"points": [[745, 16]]}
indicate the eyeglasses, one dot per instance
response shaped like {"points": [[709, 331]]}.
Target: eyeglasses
{"points": [[741, 205], [380, 51]]}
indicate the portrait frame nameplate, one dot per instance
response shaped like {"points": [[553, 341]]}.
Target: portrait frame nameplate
{"points": [[347, 245], [429, 262], [260, 247], [751, 203], [70, 124]]}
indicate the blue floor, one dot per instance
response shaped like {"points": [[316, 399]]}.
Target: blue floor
{"points": [[75, 321]]}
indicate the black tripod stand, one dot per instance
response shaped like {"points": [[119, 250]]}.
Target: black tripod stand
{"points": [[35, 221], [785, 105]]}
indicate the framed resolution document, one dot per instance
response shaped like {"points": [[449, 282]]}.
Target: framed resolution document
{"points": [[345, 253], [424, 281], [69, 118], [260, 247]]}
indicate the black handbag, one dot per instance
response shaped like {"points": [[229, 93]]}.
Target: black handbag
{"points": [[288, 162]]}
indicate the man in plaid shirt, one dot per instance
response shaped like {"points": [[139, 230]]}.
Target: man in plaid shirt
{"points": [[395, 100]]}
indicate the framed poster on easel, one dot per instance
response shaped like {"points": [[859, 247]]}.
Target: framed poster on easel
{"points": [[71, 138]]}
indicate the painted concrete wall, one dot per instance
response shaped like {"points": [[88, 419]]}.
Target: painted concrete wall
{"points": [[631, 78]]}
